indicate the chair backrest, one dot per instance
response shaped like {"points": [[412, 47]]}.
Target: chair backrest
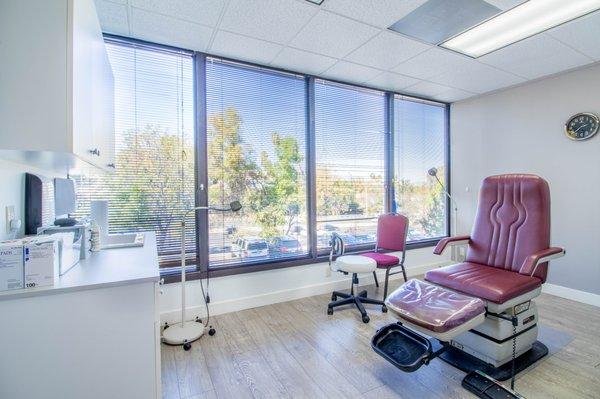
{"points": [[392, 229], [512, 222]]}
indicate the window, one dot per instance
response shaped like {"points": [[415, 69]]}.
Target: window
{"points": [[251, 143], [256, 153], [154, 177], [420, 144], [350, 162]]}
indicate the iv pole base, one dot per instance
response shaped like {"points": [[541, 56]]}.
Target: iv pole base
{"points": [[176, 334]]}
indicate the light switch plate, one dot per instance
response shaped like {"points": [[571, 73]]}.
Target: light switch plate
{"points": [[10, 215]]}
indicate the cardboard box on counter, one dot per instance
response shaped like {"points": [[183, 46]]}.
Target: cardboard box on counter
{"points": [[41, 261], [11, 265]]}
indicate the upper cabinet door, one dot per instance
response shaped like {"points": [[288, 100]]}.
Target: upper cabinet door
{"points": [[92, 87]]}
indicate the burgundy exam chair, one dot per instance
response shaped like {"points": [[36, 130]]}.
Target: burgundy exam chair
{"points": [[482, 310], [392, 230]]}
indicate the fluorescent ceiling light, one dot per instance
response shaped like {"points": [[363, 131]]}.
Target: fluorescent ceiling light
{"points": [[317, 2], [518, 23]]}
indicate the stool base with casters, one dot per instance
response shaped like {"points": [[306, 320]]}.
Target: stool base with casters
{"points": [[350, 298]]}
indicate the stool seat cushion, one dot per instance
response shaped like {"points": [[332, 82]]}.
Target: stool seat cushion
{"points": [[354, 264], [383, 261], [434, 308]]}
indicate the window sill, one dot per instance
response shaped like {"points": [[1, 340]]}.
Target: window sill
{"points": [[174, 275]]}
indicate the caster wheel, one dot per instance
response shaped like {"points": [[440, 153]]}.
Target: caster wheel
{"points": [[187, 346], [198, 320], [365, 319], [333, 298], [166, 326], [384, 309], [329, 311], [212, 331]]}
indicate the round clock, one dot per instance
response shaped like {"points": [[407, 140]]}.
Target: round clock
{"points": [[582, 126]]}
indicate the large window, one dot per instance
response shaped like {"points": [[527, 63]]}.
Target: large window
{"points": [[350, 167], [305, 157], [419, 145], [154, 177], [256, 150]]}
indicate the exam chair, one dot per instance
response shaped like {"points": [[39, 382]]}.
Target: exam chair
{"points": [[480, 313], [392, 229]]}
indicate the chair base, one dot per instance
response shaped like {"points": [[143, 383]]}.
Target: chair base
{"points": [[357, 300], [467, 363]]}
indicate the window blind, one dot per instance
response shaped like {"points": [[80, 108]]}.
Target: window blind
{"points": [[350, 162], [420, 144], [256, 148], [153, 183]]}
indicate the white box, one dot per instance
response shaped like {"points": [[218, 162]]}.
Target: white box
{"points": [[11, 266], [41, 262]]}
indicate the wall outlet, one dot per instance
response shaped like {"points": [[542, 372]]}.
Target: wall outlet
{"points": [[10, 215]]}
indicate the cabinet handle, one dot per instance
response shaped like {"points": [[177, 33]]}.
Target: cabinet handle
{"points": [[111, 165], [95, 151]]}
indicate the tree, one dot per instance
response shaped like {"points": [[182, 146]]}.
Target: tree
{"points": [[276, 204]]}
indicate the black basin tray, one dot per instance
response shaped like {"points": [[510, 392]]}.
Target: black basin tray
{"points": [[402, 347]]}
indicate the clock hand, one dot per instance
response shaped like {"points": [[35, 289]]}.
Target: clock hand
{"points": [[576, 130]]}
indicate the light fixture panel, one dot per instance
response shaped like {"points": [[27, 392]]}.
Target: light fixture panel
{"points": [[524, 20], [317, 2]]}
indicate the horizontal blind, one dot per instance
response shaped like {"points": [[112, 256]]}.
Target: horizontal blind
{"points": [[420, 144], [153, 183], [256, 146], [350, 162]]}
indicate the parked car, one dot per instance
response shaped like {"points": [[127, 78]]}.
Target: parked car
{"points": [[281, 246], [250, 247]]}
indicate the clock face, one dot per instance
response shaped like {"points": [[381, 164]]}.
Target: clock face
{"points": [[582, 126]]}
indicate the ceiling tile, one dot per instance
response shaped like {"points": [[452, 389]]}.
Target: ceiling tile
{"points": [[427, 89], [433, 62], [244, 48], [505, 4], [453, 95], [477, 78], [273, 20], [302, 61], [205, 12], [332, 35], [166, 30], [350, 72], [391, 81], [582, 34], [535, 57], [386, 50], [113, 17], [381, 13]]}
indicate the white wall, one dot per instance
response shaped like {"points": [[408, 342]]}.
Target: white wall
{"points": [[249, 290], [521, 130]]}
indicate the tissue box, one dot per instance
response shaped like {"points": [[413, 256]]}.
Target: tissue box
{"points": [[41, 262], [11, 266]]}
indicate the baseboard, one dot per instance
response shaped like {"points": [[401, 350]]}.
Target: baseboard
{"points": [[254, 301], [572, 294]]}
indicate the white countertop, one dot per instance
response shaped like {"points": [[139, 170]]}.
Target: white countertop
{"points": [[106, 268]]}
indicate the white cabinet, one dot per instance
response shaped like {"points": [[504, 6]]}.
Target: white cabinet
{"points": [[56, 85]]}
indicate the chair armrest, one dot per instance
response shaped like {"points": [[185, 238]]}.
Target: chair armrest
{"points": [[532, 261], [458, 240]]}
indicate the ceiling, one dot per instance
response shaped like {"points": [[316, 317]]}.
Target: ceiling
{"points": [[348, 40]]}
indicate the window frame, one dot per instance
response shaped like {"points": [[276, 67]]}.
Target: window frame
{"points": [[198, 268]]}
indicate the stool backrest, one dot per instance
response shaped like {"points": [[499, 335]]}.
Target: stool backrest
{"points": [[392, 229]]}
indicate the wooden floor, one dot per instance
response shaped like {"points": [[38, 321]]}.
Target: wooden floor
{"points": [[294, 350]]}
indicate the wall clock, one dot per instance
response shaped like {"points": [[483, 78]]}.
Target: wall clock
{"points": [[582, 126]]}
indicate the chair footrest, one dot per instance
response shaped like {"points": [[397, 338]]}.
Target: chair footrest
{"points": [[403, 347]]}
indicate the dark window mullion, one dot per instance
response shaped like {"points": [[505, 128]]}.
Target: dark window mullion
{"points": [[311, 166], [201, 162], [389, 152]]}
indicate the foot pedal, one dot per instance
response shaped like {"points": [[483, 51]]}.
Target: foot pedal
{"points": [[486, 387]]}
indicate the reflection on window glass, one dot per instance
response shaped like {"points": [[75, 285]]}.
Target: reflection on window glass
{"points": [[350, 153], [256, 154], [419, 144]]}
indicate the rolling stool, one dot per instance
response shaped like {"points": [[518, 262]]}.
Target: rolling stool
{"points": [[350, 264]]}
